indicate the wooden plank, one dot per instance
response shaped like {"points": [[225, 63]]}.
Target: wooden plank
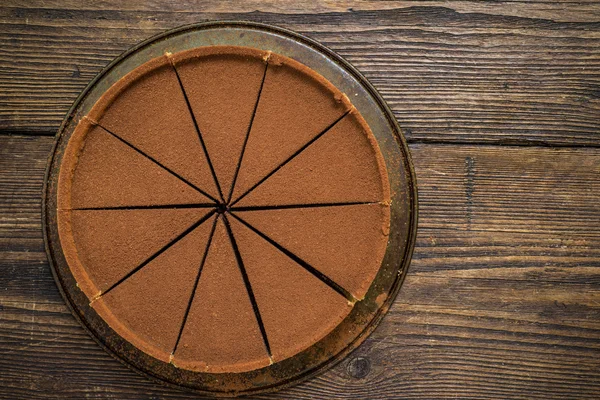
{"points": [[558, 10], [502, 299], [509, 72]]}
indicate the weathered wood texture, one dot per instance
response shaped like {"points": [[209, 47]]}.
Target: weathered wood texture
{"points": [[503, 296], [502, 299], [456, 71]]}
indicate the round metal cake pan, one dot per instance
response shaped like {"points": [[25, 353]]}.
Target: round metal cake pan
{"points": [[366, 314]]}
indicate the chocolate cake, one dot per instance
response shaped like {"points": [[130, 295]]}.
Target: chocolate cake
{"points": [[223, 208]]}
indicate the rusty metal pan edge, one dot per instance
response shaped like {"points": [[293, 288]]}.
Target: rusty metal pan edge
{"points": [[49, 212]]}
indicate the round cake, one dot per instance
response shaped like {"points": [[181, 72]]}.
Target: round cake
{"points": [[223, 208]]}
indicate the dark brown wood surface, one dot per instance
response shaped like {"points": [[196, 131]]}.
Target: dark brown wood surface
{"points": [[500, 101]]}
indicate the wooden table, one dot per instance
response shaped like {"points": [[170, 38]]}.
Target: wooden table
{"points": [[500, 102]]}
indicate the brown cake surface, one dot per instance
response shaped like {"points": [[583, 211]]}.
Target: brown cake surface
{"points": [[223, 208]]}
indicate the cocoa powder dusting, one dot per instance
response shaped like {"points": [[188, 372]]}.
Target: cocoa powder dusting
{"points": [[294, 107], [109, 174], [139, 146], [148, 309], [346, 243], [221, 334], [148, 109], [110, 243], [296, 307], [339, 166], [222, 83]]}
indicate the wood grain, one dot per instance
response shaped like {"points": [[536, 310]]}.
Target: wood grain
{"points": [[501, 103], [502, 299], [500, 72]]}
